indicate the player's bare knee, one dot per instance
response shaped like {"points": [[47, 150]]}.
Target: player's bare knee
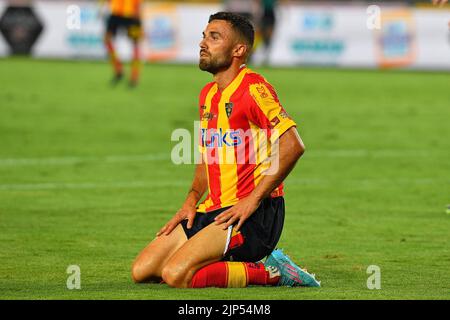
{"points": [[136, 273], [146, 268], [173, 277], [141, 272]]}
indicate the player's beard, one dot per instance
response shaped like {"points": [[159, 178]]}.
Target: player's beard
{"points": [[214, 64]]}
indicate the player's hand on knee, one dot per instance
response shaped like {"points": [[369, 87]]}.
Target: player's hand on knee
{"points": [[185, 212], [240, 212], [167, 229]]}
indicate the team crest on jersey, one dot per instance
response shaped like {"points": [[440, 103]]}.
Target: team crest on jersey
{"points": [[229, 108]]}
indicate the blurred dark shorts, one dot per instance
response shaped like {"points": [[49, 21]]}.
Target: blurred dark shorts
{"points": [[257, 237], [132, 26]]}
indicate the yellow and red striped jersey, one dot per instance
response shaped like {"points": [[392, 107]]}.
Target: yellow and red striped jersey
{"points": [[125, 8], [236, 125]]}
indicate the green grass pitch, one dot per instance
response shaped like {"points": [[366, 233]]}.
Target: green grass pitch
{"points": [[86, 179]]}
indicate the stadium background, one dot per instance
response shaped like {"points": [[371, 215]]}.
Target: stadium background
{"points": [[324, 33], [86, 177]]}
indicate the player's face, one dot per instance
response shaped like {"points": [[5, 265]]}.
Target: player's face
{"points": [[217, 46]]}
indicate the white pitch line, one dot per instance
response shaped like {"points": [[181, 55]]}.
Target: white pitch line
{"points": [[342, 153], [64, 161], [91, 185], [369, 181], [361, 183], [380, 153]]}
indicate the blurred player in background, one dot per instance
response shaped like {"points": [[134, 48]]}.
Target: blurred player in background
{"points": [[220, 241], [267, 25], [124, 15]]}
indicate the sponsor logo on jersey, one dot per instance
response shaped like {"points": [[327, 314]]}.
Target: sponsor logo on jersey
{"points": [[212, 138]]}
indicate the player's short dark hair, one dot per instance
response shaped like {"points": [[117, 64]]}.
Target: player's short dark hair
{"points": [[239, 23]]}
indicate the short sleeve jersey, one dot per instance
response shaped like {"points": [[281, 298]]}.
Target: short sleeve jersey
{"points": [[238, 129]]}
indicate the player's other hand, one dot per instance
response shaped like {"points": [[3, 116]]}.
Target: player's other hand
{"points": [[240, 212], [440, 2], [186, 212]]}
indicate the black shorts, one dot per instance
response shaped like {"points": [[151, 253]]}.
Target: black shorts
{"points": [[133, 26], [258, 235]]}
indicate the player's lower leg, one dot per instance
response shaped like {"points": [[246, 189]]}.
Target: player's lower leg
{"points": [[234, 275], [114, 60], [135, 65]]}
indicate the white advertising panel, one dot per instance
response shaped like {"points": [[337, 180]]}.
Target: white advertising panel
{"points": [[173, 31], [333, 35], [322, 35], [340, 35], [433, 39], [71, 29]]}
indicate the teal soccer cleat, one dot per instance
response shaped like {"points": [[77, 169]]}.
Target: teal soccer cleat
{"points": [[291, 274]]}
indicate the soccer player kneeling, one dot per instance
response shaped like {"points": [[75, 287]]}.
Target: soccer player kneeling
{"points": [[221, 241]]}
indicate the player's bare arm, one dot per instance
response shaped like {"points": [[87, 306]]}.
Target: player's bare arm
{"points": [[291, 149], [188, 209]]}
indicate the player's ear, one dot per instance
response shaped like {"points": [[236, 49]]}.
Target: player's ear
{"points": [[240, 50]]}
